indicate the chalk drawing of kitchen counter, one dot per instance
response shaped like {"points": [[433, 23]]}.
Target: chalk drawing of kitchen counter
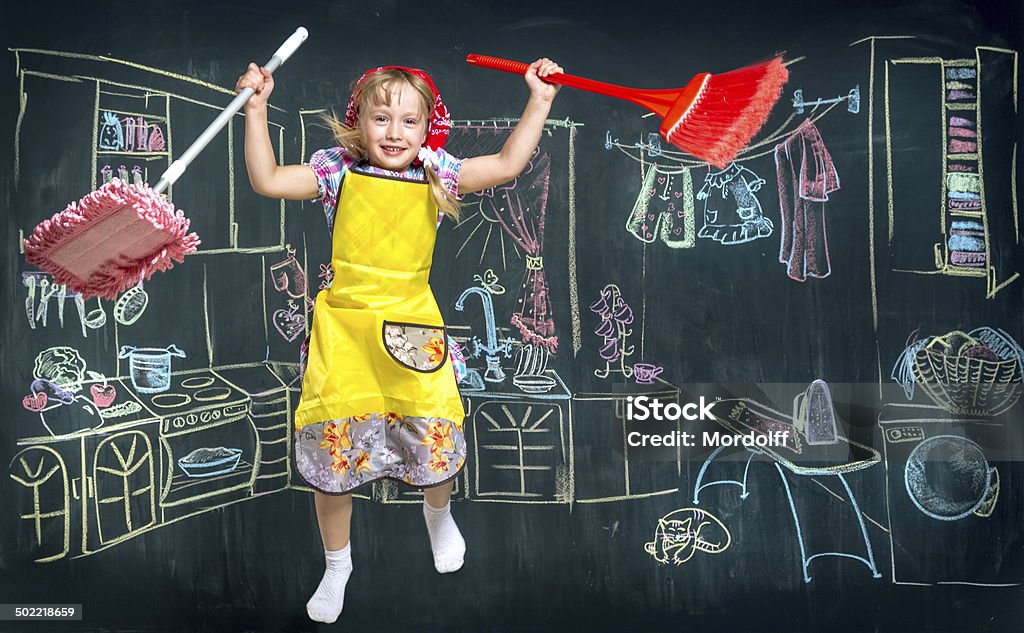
{"points": [[134, 464]]}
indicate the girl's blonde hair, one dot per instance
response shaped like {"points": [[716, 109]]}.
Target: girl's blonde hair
{"points": [[377, 89]]}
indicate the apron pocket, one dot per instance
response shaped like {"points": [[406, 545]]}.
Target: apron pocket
{"points": [[418, 347]]}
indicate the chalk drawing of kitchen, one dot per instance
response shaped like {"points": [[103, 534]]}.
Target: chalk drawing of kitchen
{"points": [[156, 407]]}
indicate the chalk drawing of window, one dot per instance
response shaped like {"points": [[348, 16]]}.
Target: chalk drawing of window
{"points": [[125, 497], [41, 470], [951, 168]]}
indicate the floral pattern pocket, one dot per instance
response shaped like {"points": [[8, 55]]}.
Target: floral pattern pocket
{"points": [[418, 347]]}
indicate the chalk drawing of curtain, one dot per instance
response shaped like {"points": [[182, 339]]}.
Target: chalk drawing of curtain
{"points": [[520, 211]]}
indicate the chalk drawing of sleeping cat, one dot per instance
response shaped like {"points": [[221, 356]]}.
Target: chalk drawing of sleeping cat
{"points": [[682, 532]]}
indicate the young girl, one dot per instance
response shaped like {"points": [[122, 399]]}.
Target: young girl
{"points": [[379, 396]]}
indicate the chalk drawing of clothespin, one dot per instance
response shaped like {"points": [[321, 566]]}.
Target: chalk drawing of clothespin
{"points": [[852, 105]]}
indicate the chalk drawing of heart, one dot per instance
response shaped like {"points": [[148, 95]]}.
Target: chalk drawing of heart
{"points": [[103, 395], [289, 324], [35, 403]]}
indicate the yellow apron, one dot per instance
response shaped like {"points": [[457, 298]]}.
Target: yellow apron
{"points": [[378, 342]]}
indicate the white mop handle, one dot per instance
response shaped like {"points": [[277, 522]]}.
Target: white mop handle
{"points": [[178, 167]]}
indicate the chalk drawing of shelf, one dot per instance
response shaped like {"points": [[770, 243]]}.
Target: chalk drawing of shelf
{"points": [[950, 172]]}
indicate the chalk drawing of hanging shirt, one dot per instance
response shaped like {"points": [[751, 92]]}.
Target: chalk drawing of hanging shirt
{"points": [[664, 208], [806, 177], [734, 216]]}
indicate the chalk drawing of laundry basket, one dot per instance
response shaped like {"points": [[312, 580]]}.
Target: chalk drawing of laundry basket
{"points": [[972, 382]]}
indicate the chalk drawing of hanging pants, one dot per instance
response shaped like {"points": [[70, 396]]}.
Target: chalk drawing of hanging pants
{"points": [[734, 216], [806, 177], [664, 209]]}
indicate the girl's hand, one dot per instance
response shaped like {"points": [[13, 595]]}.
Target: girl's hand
{"points": [[260, 80], [539, 88]]}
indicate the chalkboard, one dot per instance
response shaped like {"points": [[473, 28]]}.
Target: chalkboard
{"points": [[831, 326]]}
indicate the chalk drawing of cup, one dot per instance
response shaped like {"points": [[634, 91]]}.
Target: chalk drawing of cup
{"points": [[645, 373]]}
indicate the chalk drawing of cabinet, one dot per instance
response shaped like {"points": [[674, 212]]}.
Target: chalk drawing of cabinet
{"points": [[605, 469], [950, 156], [85, 119], [82, 494], [520, 443]]}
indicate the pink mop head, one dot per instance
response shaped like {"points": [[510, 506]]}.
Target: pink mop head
{"points": [[113, 238]]}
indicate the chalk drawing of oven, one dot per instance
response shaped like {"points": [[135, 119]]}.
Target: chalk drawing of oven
{"points": [[954, 496], [209, 444]]}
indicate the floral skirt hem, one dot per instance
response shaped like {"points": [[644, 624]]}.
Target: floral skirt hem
{"points": [[338, 456]]}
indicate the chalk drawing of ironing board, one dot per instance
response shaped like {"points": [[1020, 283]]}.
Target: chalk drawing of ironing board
{"points": [[742, 416]]}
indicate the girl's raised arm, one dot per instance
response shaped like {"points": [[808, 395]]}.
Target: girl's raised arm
{"points": [[291, 182], [491, 170]]}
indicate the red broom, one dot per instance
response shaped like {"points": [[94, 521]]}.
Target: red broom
{"points": [[713, 117], [122, 233]]}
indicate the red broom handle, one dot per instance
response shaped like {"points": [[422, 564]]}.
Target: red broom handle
{"points": [[600, 87]]}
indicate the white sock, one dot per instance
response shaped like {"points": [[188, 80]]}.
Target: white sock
{"points": [[326, 604], [445, 539]]}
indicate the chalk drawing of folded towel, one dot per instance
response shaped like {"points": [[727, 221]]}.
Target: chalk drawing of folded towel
{"points": [[966, 243], [734, 215], [664, 209], [963, 191]]}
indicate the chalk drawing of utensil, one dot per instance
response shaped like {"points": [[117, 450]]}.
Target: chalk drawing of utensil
{"points": [[30, 302], [131, 305], [95, 319]]}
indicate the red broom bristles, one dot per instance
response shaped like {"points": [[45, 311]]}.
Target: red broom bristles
{"points": [[728, 111]]}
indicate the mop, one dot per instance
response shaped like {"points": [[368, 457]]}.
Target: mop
{"points": [[122, 233]]}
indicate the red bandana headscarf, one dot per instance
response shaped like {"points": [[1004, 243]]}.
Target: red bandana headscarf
{"points": [[440, 121]]}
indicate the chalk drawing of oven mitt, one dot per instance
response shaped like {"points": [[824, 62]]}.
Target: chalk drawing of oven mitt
{"points": [[642, 223], [288, 275]]}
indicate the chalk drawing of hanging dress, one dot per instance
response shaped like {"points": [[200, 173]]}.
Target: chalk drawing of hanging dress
{"points": [[664, 209], [734, 216]]}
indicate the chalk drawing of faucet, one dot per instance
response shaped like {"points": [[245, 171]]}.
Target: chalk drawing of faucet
{"points": [[493, 348]]}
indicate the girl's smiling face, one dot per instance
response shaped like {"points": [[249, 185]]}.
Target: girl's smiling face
{"points": [[394, 132]]}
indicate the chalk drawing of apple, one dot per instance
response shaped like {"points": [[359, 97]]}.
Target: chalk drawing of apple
{"points": [[103, 395]]}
